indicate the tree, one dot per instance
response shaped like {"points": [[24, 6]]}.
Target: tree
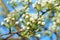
{"points": [[27, 24]]}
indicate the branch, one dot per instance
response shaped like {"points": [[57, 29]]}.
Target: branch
{"points": [[49, 9], [10, 34], [4, 7]]}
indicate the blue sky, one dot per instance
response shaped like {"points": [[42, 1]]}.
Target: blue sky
{"points": [[4, 30]]}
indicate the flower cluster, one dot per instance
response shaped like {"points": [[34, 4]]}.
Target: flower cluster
{"points": [[32, 18], [48, 33], [56, 23], [32, 23]]}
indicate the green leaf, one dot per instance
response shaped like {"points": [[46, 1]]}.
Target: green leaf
{"points": [[58, 24], [39, 8]]}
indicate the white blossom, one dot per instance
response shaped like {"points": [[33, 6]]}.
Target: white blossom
{"points": [[38, 2], [52, 27], [39, 18], [18, 9], [17, 22], [2, 23], [54, 23], [19, 0], [27, 16], [23, 15], [38, 35], [33, 5], [28, 23], [7, 20], [13, 18], [31, 19], [43, 23], [28, 27], [14, 0], [47, 32], [10, 2], [39, 22], [56, 4], [23, 27]]}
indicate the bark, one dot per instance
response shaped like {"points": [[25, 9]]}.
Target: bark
{"points": [[23, 38], [4, 7]]}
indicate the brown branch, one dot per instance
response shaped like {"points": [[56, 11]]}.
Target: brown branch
{"points": [[4, 7], [10, 34], [49, 9], [8, 37]]}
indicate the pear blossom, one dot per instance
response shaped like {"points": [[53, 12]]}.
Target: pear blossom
{"points": [[17, 22], [39, 22], [23, 15], [54, 23], [38, 35], [23, 27], [38, 2], [19, 0], [28, 27], [14, 0], [5, 19], [2, 23], [13, 18], [33, 5], [53, 27], [43, 23], [28, 23], [27, 16], [18, 8], [47, 33], [31, 19]]}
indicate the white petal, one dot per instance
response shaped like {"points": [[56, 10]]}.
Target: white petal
{"points": [[17, 22]]}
